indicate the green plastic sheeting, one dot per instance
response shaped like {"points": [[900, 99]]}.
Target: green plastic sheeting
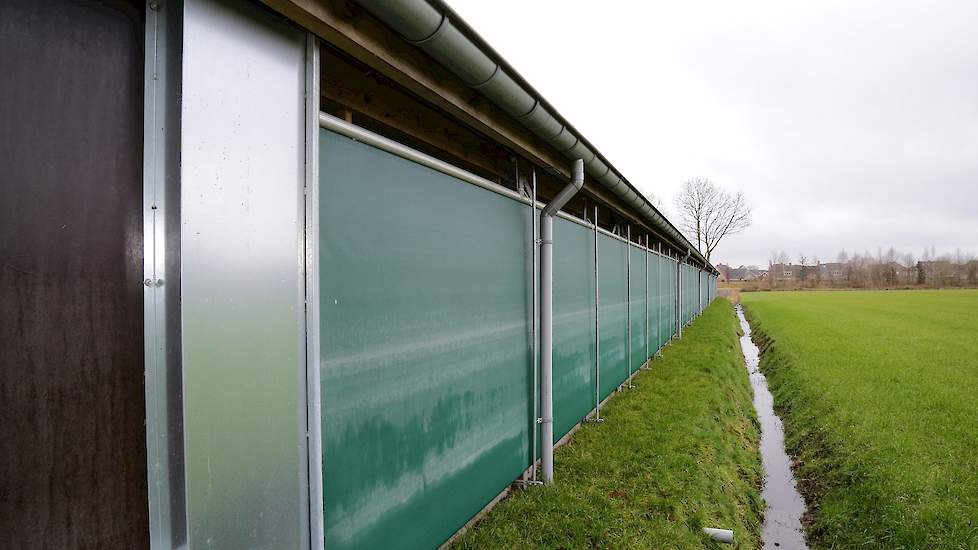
{"points": [[655, 304], [425, 347], [637, 284], [573, 363], [611, 278]]}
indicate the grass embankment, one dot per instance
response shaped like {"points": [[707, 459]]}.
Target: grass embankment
{"points": [[674, 455], [879, 396]]}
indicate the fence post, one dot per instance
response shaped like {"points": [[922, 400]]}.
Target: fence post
{"points": [[628, 301], [679, 298], [536, 334], [597, 327]]}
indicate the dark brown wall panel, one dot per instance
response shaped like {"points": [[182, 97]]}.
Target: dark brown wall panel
{"points": [[72, 436]]}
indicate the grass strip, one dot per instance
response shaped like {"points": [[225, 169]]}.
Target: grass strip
{"points": [[674, 455], [877, 394]]}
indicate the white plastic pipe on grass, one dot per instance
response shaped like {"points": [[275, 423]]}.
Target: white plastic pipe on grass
{"points": [[724, 536]]}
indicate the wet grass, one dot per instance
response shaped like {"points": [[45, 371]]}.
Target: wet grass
{"points": [[674, 455], [879, 395]]}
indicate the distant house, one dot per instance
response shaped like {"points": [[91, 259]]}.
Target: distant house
{"points": [[753, 273], [785, 272], [834, 272], [793, 272], [724, 270], [742, 273]]}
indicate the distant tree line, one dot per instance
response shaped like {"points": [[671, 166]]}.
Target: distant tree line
{"points": [[889, 269]]}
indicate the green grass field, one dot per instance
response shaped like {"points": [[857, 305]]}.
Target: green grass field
{"points": [[674, 455], [879, 395]]}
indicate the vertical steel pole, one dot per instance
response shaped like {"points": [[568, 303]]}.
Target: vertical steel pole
{"points": [[156, 217], [314, 414], [679, 298], [597, 327], [628, 297], [536, 333]]}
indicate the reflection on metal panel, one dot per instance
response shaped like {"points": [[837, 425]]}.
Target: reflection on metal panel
{"points": [[612, 261], [573, 324], [242, 173], [425, 364]]}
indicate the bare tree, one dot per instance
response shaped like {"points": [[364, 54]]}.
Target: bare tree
{"points": [[708, 214]]}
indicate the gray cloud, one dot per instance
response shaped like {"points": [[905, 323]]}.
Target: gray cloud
{"points": [[848, 124]]}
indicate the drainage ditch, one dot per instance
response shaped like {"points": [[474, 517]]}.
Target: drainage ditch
{"points": [[785, 506]]}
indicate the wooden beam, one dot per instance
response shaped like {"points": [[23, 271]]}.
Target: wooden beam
{"points": [[357, 33], [366, 91], [349, 28]]}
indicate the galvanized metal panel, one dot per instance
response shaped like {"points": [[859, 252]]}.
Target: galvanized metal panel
{"points": [[425, 351], [241, 204], [574, 346], [612, 260], [637, 313]]}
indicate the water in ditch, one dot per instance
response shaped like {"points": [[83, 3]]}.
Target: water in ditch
{"points": [[785, 506]]}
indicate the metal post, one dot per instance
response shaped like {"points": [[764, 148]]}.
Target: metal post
{"points": [[597, 327], [628, 298], [312, 321], [536, 332], [679, 298]]}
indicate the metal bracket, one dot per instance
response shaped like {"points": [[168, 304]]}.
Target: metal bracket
{"points": [[545, 420], [523, 484]]}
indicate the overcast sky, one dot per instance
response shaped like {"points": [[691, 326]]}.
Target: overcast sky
{"points": [[848, 124]]}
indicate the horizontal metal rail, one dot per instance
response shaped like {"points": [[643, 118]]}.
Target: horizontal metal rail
{"points": [[357, 133], [352, 131]]}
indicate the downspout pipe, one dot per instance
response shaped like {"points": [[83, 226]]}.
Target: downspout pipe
{"points": [[547, 319]]}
